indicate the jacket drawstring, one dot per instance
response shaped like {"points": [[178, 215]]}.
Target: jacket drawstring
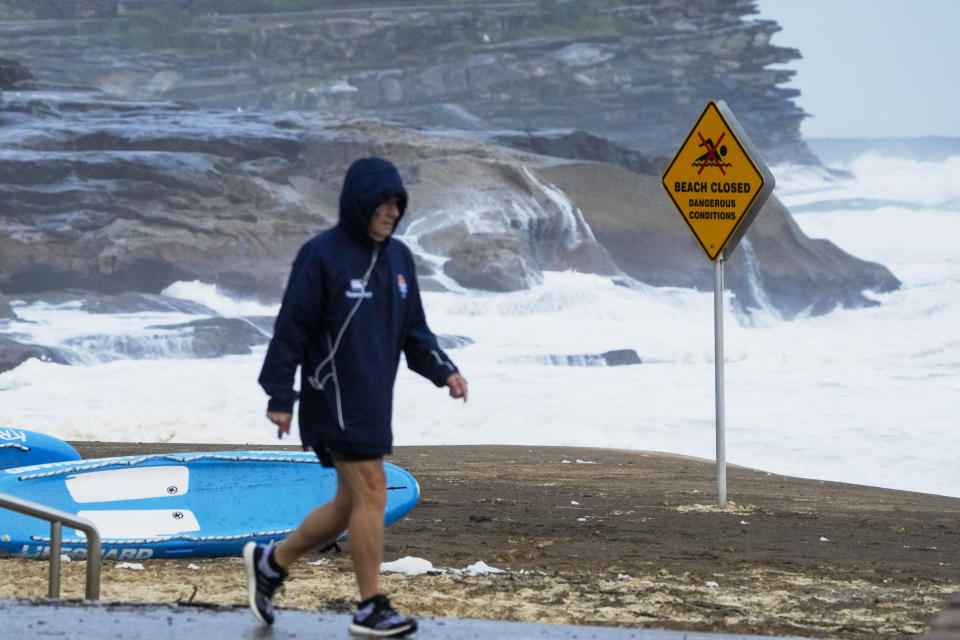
{"points": [[314, 380]]}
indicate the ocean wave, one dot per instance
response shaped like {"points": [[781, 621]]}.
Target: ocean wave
{"points": [[869, 204], [874, 181]]}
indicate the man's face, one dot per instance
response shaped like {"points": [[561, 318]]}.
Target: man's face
{"points": [[384, 219]]}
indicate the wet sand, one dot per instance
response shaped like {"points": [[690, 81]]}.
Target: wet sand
{"points": [[606, 537]]}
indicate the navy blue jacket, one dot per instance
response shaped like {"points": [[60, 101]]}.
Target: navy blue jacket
{"points": [[350, 307]]}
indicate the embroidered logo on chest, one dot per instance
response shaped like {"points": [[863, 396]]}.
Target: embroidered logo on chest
{"points": [[358, 289]]}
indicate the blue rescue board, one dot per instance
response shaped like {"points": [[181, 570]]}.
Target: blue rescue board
{"points": [[19, 448], [198, 504]]}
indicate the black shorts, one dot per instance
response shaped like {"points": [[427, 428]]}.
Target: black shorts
{"points": [[328, 457]]}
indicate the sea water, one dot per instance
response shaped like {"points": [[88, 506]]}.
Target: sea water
{"points": [[868, 396]]}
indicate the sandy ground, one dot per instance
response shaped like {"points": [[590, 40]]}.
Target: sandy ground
{"points": [[606, 537]]}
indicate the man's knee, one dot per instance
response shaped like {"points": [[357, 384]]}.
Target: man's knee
{"points": [[366, 480], [373, 486]]}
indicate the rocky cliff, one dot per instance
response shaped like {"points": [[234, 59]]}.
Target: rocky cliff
{"points": [[531, 135], [117, 195], [636, 73]]}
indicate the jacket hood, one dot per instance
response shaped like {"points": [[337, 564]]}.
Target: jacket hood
{"points": [[369, 182]]}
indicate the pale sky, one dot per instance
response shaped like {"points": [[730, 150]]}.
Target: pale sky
{"points": [[873, 68]]}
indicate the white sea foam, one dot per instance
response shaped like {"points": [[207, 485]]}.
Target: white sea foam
{"points": [[212, 297], [868, 396]]}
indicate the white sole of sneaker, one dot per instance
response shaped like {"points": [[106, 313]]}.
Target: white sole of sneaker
{"points": [[359, 630], [251, 574]]}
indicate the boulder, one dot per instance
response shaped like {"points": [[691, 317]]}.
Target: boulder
{"points": [[620, 357], [215, 337], [775, 266], [202, 338], [13, 354], [492, 263], [442, 240]]}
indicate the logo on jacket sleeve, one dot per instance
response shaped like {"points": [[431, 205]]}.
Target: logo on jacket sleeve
{"points": [[358, 289], [402, 285]]}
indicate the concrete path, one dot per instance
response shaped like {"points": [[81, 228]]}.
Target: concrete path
{"points": [[22, 619]]}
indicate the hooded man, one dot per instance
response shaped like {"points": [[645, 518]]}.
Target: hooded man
{"points": [[351, 306]]}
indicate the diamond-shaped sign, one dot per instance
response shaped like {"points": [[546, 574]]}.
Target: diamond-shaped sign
{"points": [[717, 181]]}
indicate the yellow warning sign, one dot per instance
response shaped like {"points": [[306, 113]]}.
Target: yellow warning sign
{"points": [[717, 181]]}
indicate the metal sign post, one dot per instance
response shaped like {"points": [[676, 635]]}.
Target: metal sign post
{"points": [[718, 184], [718, 381]]}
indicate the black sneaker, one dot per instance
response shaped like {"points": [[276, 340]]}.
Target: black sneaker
{"points": [[375, 617], [260, 587]]}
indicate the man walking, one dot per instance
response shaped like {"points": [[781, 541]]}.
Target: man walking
{"points": [[351, 306]]}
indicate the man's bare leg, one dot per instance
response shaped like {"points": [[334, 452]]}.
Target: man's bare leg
{"points": [[323, 525], [367, 484]]}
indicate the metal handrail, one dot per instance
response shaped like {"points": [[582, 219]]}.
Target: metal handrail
{"points": [[57, 519]]}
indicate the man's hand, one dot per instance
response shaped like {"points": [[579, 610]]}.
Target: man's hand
{"points": [[458, 386], [282, 419]]}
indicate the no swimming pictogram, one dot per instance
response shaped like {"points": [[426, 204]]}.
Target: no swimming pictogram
{"points": [[712, 156], [716, 181]]}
